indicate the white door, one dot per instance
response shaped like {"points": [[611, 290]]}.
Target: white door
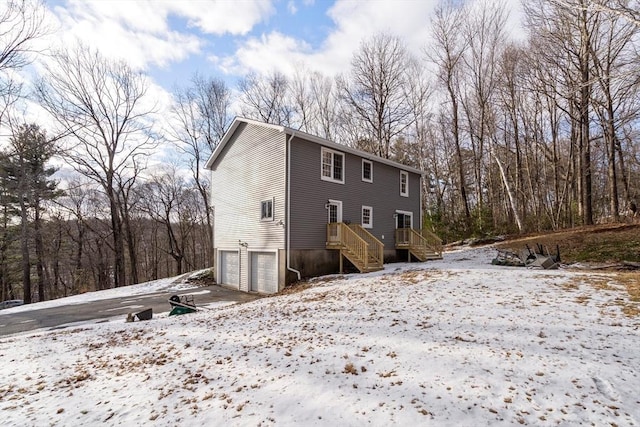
{"points": [[264, 276], [229, 268], [334, 215], [404, 222], [334, 211]]}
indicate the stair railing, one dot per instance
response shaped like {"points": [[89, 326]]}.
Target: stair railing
{"points": [[375, 246], [340, 235]]}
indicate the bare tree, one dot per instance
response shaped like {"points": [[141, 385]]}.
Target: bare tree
{"points": [[99, 104], [615, 95], [375, 91], [564, 34], [485, 35], [21, 23], [212, 99], [446, 53], [627, 9], [314, 102], [266, 98], [202, 113], [164, 201]]}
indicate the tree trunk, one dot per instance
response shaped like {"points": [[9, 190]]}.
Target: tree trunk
{"points": [[585, 143], [39, 251], [456, 139], [119, 274], [131, 245], [512, 199], [24, 246]]}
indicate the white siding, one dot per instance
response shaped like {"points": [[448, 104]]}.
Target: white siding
{"points": [[249, 170]]}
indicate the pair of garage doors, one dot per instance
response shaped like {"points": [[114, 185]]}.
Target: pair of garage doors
{"points": [[262, 272]]}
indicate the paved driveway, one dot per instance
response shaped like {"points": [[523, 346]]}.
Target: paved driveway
{"points": [[57, 317]]}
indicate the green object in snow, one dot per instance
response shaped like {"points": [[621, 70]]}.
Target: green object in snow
{"points": [[177, 310]]}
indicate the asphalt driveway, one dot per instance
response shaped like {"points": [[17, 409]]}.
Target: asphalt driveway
{"points": [[102, 310]]}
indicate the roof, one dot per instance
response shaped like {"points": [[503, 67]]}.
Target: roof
{"points": [[307, 136]]}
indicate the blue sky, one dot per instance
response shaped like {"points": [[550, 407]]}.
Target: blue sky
{"points": [[170, 40], [309, 24]]}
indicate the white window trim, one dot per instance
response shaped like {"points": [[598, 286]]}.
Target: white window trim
{"points": [[371, 169], [370, 224], [333, 154], [272, 210], [406, 192]]}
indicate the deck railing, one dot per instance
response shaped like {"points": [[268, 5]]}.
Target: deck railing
{"points": [[408, 237], [375, 246], [339, 235], [433, 241]]}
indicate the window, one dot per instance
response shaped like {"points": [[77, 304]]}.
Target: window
{"points": [[332, 166], [404, 184], [367, 217], [367, 171], [266, 210]]}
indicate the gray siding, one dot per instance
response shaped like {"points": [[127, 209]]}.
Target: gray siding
{"points": [[309, 194], [250, 169]]}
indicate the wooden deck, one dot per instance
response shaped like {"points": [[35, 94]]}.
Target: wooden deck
{"points": [[422, 244], [357, 245]]}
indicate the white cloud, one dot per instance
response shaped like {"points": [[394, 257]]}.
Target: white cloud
{"points": [[354, 22], [220, 17], [291, 7], [141, 33], [273, 51]]}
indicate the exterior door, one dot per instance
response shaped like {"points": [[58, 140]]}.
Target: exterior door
{"points": [[334, 215], [229, 268], [404, 221], [264, 278], [334, 211]]}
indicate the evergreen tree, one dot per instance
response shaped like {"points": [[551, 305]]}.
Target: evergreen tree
{"points": [[28, 178]]}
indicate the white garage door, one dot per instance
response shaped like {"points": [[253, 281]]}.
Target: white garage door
{"points": [[229, 263], [264, 277]]}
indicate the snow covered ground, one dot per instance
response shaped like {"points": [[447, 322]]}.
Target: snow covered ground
{"points": [[171, 284], [454, 342]]}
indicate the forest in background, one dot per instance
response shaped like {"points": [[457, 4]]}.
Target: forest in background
{"points": [[538, 133]]}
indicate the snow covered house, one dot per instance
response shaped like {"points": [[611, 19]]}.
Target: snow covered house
{"points": [[287, 204]]}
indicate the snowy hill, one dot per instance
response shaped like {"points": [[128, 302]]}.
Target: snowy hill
{"points": [[452, 342]]}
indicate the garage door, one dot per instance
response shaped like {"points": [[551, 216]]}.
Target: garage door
{"points": [[264, 277], [229, 268]]}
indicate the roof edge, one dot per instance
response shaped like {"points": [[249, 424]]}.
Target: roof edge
{"points": [[304, 135]]}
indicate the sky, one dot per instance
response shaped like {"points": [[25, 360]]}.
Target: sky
{"points": [[452, 342], [172, 40]]}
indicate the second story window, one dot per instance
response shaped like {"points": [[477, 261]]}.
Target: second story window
{"points": [[367, 171], [404, 184], [332, 166]]}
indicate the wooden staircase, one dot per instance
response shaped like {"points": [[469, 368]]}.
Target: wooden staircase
{"points": [[422, 244], [357, 245]]}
